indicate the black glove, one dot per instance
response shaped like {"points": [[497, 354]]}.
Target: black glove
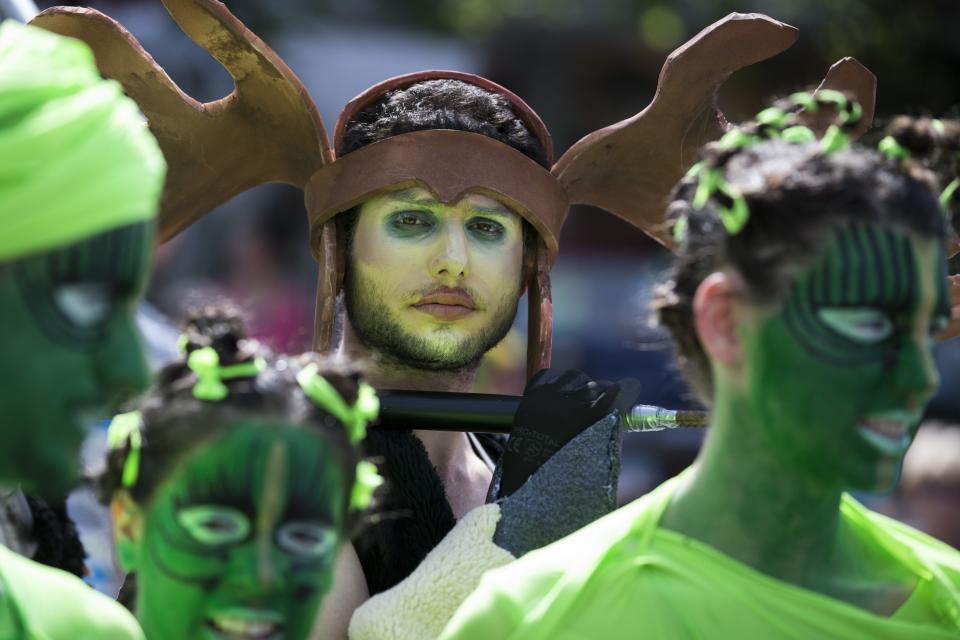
{"points": [[556, 407]]}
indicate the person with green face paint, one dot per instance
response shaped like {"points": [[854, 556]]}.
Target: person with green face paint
{"points": [[435, 204], [233, 486], [80, 181], [808, 290]]}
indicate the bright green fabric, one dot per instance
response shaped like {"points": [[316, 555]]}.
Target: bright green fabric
{"points": [[623, 577], [41, 603], [76, 157]]}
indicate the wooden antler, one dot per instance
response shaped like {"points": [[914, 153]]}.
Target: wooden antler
{"points": [[629, 167], [851, 77], [267, 130]]}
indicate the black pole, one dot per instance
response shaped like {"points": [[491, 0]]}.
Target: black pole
{"points": [[488, 413], [441, 411]]}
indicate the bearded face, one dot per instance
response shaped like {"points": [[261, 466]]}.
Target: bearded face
{"points": [[434, 286]]}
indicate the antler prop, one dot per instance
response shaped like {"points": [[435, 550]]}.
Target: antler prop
{"points": [[267, 130], [630, 167]]}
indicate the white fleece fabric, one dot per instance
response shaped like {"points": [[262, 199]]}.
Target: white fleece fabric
{"points": [[420, 607]]}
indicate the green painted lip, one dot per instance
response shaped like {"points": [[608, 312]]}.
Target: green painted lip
{"points": [[243, 622], [248, 613], [889, 444]]}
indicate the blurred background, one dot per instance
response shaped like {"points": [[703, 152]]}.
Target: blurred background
{"points": [[582, 65]]}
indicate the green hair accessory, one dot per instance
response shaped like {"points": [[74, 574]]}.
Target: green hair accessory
{"points": [[367, 481], [733, 216], [325, 396], [798, 134], [773, 117], [849, 111], [834, 140], [947, 194], [892, 149], [354, 418], [680, 229], [773, 123], [205, 363], [805, 100], [126, 428], [738, 138]]}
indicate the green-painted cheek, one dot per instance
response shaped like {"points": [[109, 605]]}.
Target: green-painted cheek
{"points": [[181, 582], [810, 386], [55, 386], [810, 408], [46, 386]]}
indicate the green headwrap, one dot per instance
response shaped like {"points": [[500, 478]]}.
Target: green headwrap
{"points": [[76, 157]]}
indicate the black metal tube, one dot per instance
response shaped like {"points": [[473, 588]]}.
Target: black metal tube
{"points": [[489, 413], [441, 411]]}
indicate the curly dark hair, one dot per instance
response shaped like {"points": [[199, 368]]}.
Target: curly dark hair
{"points": [[175, 422], [443, 104], [795, 194]]}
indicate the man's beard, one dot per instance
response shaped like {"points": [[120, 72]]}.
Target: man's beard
{"points": [[384, 336]]}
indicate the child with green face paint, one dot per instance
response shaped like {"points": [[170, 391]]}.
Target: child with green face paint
{"points": [[231, 487], [808, 291], [80, 181]]}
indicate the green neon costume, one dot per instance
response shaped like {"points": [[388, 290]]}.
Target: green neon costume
{"points": [[80, 181], [112, 178], [626, 577], [40, 602]]}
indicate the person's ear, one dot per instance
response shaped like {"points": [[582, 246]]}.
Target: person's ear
{"points": [[127, 529], [715, 313]]}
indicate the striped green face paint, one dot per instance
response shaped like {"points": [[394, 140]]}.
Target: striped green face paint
{"points": [[70, 350], [840, 373]]}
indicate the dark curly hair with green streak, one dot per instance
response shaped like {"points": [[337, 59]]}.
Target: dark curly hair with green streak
{"points": [[795, 194], [175, 422]]}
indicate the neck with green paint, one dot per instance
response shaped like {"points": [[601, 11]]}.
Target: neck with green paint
{"points": [[744, 503], [825, 395]]}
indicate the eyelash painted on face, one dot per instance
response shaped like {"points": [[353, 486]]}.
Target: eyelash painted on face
{"points": [[861, 324]]}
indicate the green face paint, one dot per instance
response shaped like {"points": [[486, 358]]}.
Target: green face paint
{"points": [[240, 540], [840, 374], [70, 350]]}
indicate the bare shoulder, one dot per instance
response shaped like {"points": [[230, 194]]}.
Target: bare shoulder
{"points": [[349, 592]]}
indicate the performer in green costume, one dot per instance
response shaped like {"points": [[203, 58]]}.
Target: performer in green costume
{"points": [[80, 181], [231, 487], [437, 202], [807, 293]]}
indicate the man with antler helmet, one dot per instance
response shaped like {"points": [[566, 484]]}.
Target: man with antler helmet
{"points": [[435, 206]]}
